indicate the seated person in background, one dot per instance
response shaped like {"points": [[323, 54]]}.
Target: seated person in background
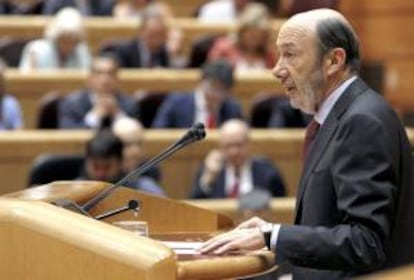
{"points": [[232, 171], [63, 45], [284, 115], [10, 111], [149, 48], [129, 8], [210, 103], [131, 132], [86, 7], [101, 101], [103, 162], [222, 11], [249, 48], [21, 7]]}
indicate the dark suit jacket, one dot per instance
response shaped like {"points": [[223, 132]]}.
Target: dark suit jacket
{"points": [[283, 115], [178, 111], [265, 176], [129, 55], [352, 214], [73, 108], [95, 7]]}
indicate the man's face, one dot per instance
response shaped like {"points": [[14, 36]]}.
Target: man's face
{"points": [[299, 67], [214, 92], [235, 147], [154, 34], [103, 77], [107, 170]]}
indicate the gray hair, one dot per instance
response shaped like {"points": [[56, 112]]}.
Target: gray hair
{"points": [[67, 20]]}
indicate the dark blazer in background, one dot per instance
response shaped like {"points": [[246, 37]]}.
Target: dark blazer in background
{"points": [[353, 211], [128, 54], [265, 176], [178, 111], [74, 107], [93, 7], [284, 115]]}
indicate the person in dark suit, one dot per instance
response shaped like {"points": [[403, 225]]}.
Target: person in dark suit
{"points": [[283, 115], [86, 7], [353, 207], [149, 48], [103, 162], [210, 103], [232, 171], [100, 102]]}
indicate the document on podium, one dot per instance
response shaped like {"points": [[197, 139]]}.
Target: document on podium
{"points": [[183, 248]]}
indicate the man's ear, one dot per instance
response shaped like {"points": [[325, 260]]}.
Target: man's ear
{"points": [[336, 59]]}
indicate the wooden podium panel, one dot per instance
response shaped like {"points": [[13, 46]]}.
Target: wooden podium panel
{"points": [[41, 241]]}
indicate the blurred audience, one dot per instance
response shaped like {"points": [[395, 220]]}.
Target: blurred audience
{"points": [[100, 102], [131, 133], [10, 111], [63, 45], [250, 48], [222, 11], [103, 162], [149, 48], [232, 170], [86, 7], [21, 7], [130, 8], [283, 115], [210, 103]]}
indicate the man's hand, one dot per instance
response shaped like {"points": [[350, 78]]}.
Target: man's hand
{"points": [[254, 222], [233, 241], [212, 166], [106, 105]]}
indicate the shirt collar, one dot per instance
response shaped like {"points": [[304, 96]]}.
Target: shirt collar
{"points": [[329, 103]]}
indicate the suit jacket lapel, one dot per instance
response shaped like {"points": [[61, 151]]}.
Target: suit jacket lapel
{"points": [[324, 136]]}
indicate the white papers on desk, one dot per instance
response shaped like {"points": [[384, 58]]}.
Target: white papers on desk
{"points": [[183, 248]]}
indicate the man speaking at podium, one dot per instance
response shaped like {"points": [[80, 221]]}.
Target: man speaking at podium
{"points": [[352, 211]]}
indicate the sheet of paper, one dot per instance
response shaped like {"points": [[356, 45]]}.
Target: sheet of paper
{"points": [[183, 248]]}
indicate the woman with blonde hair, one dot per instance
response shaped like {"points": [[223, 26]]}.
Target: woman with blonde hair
{"points": [[63, 45], [248, 48]]}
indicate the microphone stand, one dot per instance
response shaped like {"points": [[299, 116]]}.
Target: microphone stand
{"points": [[195, 133]]}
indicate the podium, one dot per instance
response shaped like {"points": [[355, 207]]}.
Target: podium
{"points": [[39, 240]]}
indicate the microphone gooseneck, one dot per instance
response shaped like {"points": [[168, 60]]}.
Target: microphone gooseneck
{"points": [[195, 133]]}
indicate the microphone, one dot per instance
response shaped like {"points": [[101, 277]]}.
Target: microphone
{"points": [[195, 133], [132, 205]]}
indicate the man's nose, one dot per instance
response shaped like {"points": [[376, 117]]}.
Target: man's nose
{"points": [[279, 72]]}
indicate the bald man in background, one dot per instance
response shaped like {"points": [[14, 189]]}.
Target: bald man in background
{"points": [[232, 171], [353, 213]]}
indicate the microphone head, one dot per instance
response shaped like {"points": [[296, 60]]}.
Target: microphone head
{"points": [[199, 131], [133, 204]]}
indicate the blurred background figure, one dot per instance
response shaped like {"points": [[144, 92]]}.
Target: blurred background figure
{"points": [[86, 7], [130, 8], [10, 111], [222, 11], [250, 48], [232, 171], [21, 7], [254, 203], [149, 48], [103, 162], [210, 103], [63, 45], [131, 132], [101, 102]]}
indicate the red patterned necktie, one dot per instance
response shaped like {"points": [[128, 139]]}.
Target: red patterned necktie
{"points": [[311, 131], [211, 121], [234, 193]]}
